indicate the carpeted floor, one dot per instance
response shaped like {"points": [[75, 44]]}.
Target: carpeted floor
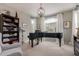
{"points": [[46, 48]]}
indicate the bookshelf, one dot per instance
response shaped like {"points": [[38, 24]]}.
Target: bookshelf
{"points": [[9, 28]]}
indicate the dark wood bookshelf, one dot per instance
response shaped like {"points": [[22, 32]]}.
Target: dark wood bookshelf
{"points": [[9, 32], [9, 26], [9, 17], [12, 24], [10, 37], [11, 41]]}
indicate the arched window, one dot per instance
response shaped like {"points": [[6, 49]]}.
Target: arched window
{"points": [[51, 24]]}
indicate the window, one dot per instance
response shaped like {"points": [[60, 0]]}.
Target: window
{"points": [[51, 24], [51, 20], [33, 23]]}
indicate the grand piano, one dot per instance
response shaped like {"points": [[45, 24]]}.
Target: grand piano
{"points": [[39, 35]]}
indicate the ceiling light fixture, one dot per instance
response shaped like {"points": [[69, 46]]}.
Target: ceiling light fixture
{"points": [[41, 10]]}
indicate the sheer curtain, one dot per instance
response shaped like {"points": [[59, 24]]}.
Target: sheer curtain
{"points": [[33, 23], [60, 25], [74, 23]]}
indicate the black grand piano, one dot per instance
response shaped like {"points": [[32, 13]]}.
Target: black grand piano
{"points": [[39, 35]]}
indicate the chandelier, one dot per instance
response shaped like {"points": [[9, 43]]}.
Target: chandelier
{"points": [[41, 11], [77, 7]]}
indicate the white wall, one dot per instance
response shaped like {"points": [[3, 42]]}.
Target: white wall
{"points": [[25, 19]]}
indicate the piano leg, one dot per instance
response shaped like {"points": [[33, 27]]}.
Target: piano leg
{"points": [[31, 43], [37, 41], [41, 39], [74, 45], [59, 42]]}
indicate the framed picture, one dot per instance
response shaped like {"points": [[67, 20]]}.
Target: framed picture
{"points": [[66, 24]]}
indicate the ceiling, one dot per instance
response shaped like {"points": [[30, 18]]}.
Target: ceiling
{"points": [[50, 8]]}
